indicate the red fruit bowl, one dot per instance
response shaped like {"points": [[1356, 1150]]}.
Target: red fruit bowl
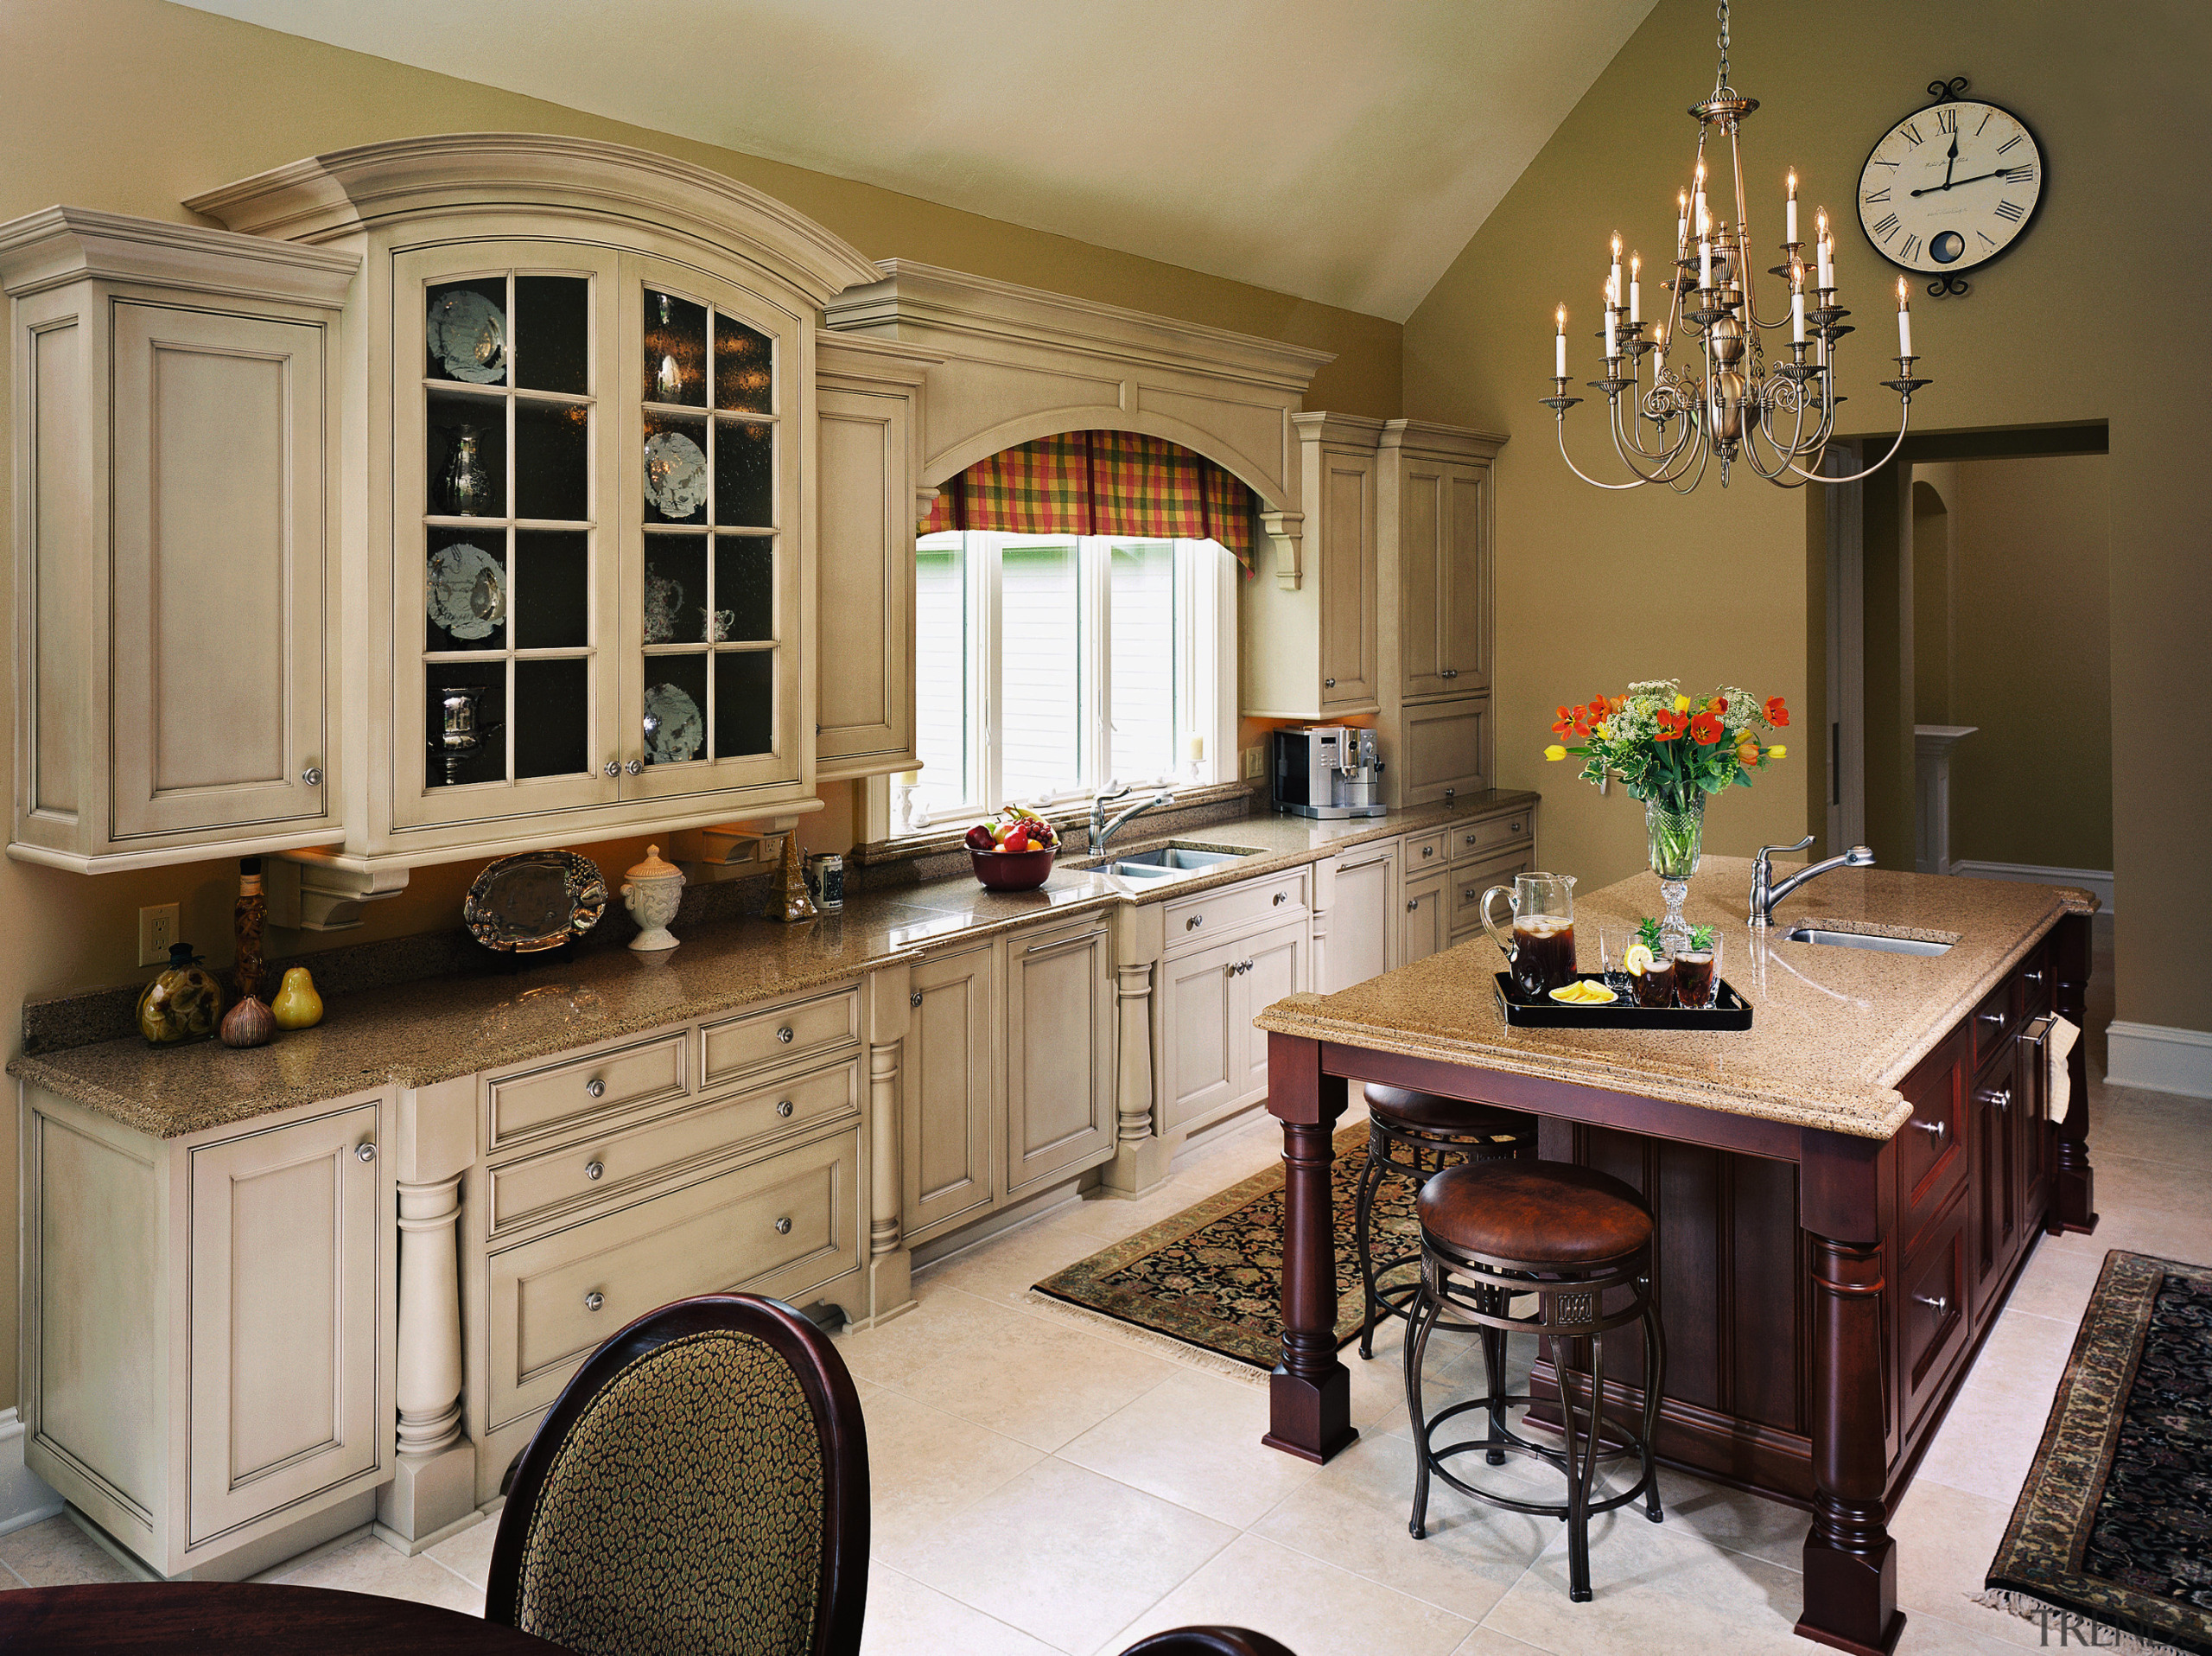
{"points": [[1014, 870]]}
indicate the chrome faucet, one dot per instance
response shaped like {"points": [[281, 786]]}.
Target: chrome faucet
{"points": [[1765, 894], [1102, 830]]}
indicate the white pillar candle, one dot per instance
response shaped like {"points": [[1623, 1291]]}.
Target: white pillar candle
{"points": [[1704, 263], [1613, 281], [1790, 213], [1904, 321], [1797, 316], [1704, 219], [1612, 337], [1635, 290], [1559, 347], [1826, 249], [1198, 749]]}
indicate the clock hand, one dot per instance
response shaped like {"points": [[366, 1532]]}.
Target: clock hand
{"points": [[1952, 162], [2002, 172]]}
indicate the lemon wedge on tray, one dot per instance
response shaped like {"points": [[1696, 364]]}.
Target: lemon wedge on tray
{"points": [[1583, 992], [1637, 960]]}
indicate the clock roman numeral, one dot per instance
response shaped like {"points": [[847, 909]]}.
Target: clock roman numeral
{"points": [[1911, 250], [1947, 120], [2011, 212], [2008, 143], [1886, 226], [1986, 116], [1877, 197], [1984, 234], [1911, 133], [2021, 175]]}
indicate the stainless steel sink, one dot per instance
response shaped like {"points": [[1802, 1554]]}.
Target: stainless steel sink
{"points": [[1870, 940], [1171, 860]]}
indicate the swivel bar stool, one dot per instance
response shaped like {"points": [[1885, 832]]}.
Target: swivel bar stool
{"points": [[1411, 1135], [1493, 1236]]}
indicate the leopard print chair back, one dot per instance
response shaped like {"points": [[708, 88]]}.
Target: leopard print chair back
{"points": [[701, 1486]]}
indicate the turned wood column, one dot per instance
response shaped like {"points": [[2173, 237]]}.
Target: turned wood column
{"points": [[428, 1384], [1133, 1080], [1310, 1395], [889, 1006], [1846, 1193], [1141, 1155], [2073, 1204]]}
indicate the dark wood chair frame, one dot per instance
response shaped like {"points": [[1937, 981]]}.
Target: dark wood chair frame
{"points": [[842, 1598], [1207, 1642]]}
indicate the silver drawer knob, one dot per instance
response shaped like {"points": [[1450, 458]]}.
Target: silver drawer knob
{"points": [[914, 997], [2035, 977], [632, 767], [1938, 1303], [783, 1107], [1194, 922], [1412, 905], [1995, 1018], [783, 1227], [595, 1088], [595, 1170], [1513, 827], [1328, 684], [365, 1152], [312, 776], [1999, 1097], [593, 1300], [783, 1034], [1282, 897], [1933, 1128], [1428, 850], [613, 768]]}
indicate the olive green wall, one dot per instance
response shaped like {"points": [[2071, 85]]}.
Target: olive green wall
{"points": [[2078, 324], [131, 105], [2031, 658]]}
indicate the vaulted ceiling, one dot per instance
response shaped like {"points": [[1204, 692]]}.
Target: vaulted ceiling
{"points": [[1343, 152]]}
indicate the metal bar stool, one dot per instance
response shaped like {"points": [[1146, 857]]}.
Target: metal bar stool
{"points": [[1495, 1234], [1412, 1136]]}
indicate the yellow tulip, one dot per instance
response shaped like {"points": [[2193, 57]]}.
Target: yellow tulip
{"points": [[1681, 703], [1778, 751], [1555, 752]]}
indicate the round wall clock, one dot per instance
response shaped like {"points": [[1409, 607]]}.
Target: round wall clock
{"points": [[1948, 190]]}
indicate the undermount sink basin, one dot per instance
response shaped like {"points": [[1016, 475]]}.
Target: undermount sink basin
{"points": [[1865, 940], [1171, 860]]}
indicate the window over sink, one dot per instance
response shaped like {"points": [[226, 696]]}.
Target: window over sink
{"points": [[1047, 667]]}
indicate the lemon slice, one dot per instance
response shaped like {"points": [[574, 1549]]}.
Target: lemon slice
{"points": [[1636, 961], [1582, 992]]}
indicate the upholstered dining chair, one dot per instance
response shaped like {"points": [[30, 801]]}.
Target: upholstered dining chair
{"points": [[1207, 1642], [700, 1486]]}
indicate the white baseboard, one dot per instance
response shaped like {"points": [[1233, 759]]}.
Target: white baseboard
{"points": [[25, 1497], [2096, 880], [2162, 1059]]}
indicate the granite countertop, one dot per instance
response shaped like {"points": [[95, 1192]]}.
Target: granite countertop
{"points": [[1834, 1030], [432, 1031]]}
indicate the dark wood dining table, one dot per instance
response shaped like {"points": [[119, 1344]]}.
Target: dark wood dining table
{"points": [[243, 1619]]}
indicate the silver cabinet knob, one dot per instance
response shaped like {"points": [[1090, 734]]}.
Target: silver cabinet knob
{"points": [[1470, 838], [312, 776], [783, 1034], [783, 1107], [613, 768], [1938, 1303], [1449, 672], [593, 1300], [595, 1169], [1995, 1018], [1412, 905], [1328, 684], [1997, 1098], [1282, 897], [1513, 827], [1933, 1128], [1194, 922], [1428, 850], [914, 997], [595, 1088], [632, 767], [783, 1227], [365, 1152]]}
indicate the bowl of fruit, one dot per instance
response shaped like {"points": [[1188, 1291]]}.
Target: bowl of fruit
{"points": [[1013, 850]]}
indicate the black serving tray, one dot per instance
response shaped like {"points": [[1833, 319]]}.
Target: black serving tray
{"points": [[1728, 1011]]}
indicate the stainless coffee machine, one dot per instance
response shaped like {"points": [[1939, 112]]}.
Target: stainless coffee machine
{"points": [[1326, 770]]}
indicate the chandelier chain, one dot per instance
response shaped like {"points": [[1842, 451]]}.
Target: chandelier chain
{"points": [[1721, 78]]}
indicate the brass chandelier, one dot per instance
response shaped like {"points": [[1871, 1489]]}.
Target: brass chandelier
{"points": [[1725, 398]]}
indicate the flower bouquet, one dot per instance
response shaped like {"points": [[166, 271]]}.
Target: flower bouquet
{"points": [[1672, 752]]}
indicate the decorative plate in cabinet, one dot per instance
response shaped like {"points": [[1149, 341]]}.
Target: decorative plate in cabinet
{"points": [[534, 900]]}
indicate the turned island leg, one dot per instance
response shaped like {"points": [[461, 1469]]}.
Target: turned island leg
{"points": [[1310, 1396]]}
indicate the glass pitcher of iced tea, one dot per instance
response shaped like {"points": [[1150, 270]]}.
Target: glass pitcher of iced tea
{"points": [[1540, 949]]}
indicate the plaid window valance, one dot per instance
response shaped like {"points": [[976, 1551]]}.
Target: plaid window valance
{"points": [[1100, 483]]}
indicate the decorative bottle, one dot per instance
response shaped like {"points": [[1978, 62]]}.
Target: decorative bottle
{"points": [[183, 1004]]}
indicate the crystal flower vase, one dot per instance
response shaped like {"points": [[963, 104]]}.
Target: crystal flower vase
{"points": [[1675, 832]]}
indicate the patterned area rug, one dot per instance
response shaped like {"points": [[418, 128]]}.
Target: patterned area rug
{"points": [[2114, 1524], [1212, 1277]]}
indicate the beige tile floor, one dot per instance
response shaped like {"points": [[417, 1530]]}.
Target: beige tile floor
{"points": [[1048, 1485]]}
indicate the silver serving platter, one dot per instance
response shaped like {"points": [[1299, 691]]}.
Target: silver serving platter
{"points": [[468, 335], [675, 474], [534, 900]]}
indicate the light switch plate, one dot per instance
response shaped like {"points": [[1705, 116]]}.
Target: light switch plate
{"points": [[1256, 763], [157, 928]]}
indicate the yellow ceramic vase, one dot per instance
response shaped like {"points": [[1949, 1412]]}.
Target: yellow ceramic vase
{"points": [[297, 1006]]}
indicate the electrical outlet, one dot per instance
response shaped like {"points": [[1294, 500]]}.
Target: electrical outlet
{"points": [[157, 928], [1256, 763]]}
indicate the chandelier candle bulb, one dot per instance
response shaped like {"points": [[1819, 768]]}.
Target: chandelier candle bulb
{"points": [[1559, 347], [1613, 292], [1681, 223], [1790, 213], [1613, 333], [1704, 263], [1797, 311], [1636, 290], [1904, 321], [1825, 244]]}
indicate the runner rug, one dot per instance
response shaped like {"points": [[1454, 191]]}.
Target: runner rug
{"points": [[2114, 1524], [1211, 1278]]}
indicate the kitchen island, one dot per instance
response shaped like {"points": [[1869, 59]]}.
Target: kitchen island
{"points": [[1843, 1194]]}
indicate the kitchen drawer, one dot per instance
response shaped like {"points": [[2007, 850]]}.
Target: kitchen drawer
{"points": [[527, 1104], [781, 1226], [2032, 984], [739, 1044], [1427, 851], [1470, 880], [1196, 921], [1932, 1308], [1992, 1023], [1932, 1150], [599, 1168], [1472, 841]]}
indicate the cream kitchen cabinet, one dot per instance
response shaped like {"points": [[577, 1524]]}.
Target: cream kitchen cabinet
{"points": [[953, 1102], [1227, 953], [207, 1328], [1310, 639], [1060, 1052], [1436, 571], [176, 417], [1425, 921], [1355, 920]]}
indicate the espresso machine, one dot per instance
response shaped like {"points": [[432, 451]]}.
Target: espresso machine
{"points": [[1326, 770]]}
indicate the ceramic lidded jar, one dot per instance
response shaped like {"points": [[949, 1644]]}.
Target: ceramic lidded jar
{"points": [[652, 890]]}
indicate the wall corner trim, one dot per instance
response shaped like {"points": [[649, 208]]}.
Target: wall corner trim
{"points": [[25, 1497], [2160, 1060]]}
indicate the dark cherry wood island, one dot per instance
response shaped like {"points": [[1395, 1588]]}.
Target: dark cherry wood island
{"points": [[1844, 1194]]}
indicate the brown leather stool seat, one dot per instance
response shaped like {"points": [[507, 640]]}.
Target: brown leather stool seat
{"points": [[1558, 1250], [1537, 1215], [1410, 1135]]}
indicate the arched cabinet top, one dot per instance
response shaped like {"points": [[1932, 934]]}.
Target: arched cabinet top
{"points": [[327, 196]]}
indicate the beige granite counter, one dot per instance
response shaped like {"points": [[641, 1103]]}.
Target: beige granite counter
{"points": [[1834, 1031], [422, 1033]]}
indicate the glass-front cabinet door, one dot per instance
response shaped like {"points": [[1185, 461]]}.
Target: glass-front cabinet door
{"points": [[504, 480], [709, 605]]}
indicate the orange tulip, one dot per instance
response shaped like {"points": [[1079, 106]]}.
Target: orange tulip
{"points": [[1777, 714], [1718, 704], [1671, 725], [1707, 728], [1747, 753]]}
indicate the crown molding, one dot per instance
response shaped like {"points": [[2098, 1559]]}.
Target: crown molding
{"points": [[66, 243]]}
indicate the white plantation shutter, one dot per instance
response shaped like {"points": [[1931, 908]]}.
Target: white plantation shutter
{"points": [[1142, 628], [1039, 709]]}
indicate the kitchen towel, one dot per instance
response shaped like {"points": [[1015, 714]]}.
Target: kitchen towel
{"points": [[2056, 1045]]}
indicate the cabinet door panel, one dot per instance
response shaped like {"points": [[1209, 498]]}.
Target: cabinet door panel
{"points": [[1425, 927], [1060, 1061], [1463, 604], [1204, 1046], [284, 1317], [219, 576], [1362, 926], [1423, 527], [1445, 749], [865, 710], [951, 1093], [1347, 581], [1278, 969]]}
